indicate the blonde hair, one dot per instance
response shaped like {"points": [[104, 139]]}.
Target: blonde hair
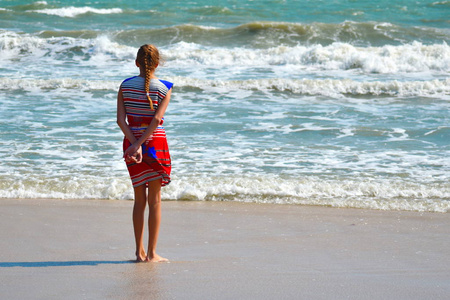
{"points": [[148, 58]]}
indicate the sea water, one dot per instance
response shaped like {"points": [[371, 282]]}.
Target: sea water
{"points": [[339, 103]]}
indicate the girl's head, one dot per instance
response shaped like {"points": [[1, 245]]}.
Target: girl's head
{"points": [[147, 60]]}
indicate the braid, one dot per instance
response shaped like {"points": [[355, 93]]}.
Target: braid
{"points": [[148, 57], [148, 72]]}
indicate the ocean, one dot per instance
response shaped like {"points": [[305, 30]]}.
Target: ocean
{"points": [[338, 103]]}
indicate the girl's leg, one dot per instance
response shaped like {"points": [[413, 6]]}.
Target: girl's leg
{"points": [[140, 200], [154, 220]]}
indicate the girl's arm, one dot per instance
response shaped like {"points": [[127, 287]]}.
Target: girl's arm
{"points": [[121, 121], [159, 114]]}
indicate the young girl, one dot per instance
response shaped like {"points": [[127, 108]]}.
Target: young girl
{"points": [[141, 103]]}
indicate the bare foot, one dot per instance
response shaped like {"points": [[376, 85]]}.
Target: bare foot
{"points": [[157, 258], [141, 257]]}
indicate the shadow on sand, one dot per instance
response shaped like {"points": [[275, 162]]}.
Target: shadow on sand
{"points": [[40, 264]]}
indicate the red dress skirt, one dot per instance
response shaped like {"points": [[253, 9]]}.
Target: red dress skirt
{"points": [[156, 162]]}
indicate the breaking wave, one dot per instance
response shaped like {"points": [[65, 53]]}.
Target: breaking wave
{"points": [[318, 87], [372, 194], [409, 58]]}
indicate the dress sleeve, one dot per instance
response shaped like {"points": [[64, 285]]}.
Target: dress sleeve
{"points": [[168, 84]]}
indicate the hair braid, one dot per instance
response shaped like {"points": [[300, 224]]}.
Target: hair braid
{"points": [[148, 58], [148, 73]]}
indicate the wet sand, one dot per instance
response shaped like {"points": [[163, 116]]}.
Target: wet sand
{"points": [[81, 249]]}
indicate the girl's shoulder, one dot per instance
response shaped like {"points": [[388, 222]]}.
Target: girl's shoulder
{"points": [[130, 79], [167, 84]]}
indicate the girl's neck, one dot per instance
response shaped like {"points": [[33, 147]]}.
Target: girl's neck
{"points": [[142, 74]]}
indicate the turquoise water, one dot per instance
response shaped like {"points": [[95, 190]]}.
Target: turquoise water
{"points": [[342, 103]]}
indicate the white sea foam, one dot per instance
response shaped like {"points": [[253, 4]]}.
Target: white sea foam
{"points": [[346, 132], [15, 45], [383, 194], [323, 87], [436, 130], [71, 11], [414, 57], [441, 3], [63, 83]]}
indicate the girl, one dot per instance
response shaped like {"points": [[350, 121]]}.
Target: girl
{"points": [[141, 103]]}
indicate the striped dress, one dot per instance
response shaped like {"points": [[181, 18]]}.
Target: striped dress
{"points": [[156, 163]]}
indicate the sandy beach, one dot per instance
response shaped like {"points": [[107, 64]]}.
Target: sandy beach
{"points": [[81, 249]]}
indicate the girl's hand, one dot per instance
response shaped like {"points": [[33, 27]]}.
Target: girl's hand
{"points": [[137, 156], [133, 154]]}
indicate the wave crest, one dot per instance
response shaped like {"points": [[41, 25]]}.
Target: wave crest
{"points": [[414, 57], [85, 45], [314, 87], [368, 194], [72, 11], [271, 34]]}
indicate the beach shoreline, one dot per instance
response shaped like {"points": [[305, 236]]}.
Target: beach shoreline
{"points": [[72, 249]]}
